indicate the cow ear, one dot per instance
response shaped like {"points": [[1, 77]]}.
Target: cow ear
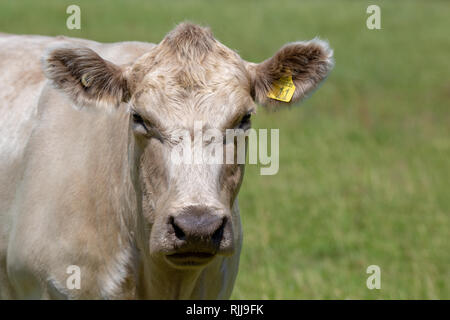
{"points": [[292, 73], [84, 76]]}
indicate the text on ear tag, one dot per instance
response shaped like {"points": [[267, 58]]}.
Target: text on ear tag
{"points": [[282, 89]]}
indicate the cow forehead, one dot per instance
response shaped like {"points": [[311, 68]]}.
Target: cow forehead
{"points": [[191, 76], [170, 97]]}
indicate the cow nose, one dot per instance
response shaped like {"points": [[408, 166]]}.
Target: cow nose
{"points": [[199, 229]]}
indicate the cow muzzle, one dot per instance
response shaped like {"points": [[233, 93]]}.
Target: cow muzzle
{"points": [[198, 235]]}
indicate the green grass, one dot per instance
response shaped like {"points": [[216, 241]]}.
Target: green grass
{"points": [[364, 163]]}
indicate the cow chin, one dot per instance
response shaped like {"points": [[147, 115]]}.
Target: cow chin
{"points": [[189, 260]]}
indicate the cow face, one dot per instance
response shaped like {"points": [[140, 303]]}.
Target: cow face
{"points": [[181, 97]]}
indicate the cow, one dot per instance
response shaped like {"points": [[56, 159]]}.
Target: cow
{"points": [[87, 185]]}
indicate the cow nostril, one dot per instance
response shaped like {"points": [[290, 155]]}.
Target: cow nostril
{"points": [[200, 231], [218, 234], [178, 232]]}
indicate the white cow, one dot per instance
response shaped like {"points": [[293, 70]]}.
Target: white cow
{"points": [[86, 180]]}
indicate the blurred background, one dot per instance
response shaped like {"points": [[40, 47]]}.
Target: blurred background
{"points": [[364, 175]]}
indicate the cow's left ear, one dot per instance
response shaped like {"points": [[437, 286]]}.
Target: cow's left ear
{"points": [[84, 76], [292, 73]]}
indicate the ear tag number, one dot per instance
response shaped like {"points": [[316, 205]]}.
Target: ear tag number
{"points": [[282, 89]]}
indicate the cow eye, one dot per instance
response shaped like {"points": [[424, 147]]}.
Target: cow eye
{"points": [[145, 128], [139, 124], [138, 119], [245, 122]]}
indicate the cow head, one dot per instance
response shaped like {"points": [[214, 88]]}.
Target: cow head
{"points": [[188, 82]]}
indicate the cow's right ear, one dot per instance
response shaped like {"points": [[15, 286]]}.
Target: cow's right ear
{"points": [[84, 76]]}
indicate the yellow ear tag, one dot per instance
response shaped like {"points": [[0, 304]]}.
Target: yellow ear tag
{"points": [[282, 89]]}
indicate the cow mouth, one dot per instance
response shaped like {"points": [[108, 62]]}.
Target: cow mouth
{"points": [[190, 259]]}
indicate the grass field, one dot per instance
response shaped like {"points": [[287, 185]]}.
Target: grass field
{"points": [[364, 172]]}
